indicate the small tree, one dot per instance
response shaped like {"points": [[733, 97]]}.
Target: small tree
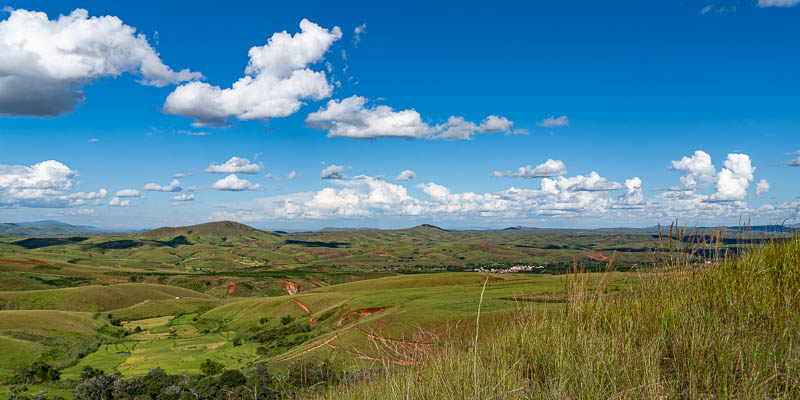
{"points": [[89, 372], [286, 319], [210, 368], [39, 372]]}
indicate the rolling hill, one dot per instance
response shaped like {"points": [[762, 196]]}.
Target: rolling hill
{"points": [[211, 232], [92, 298], [45, 228]]}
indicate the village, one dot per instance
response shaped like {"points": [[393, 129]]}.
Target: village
{"points": [[512, 270]]}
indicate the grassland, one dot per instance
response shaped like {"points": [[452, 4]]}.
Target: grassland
{"points": [[726, 330], [400, 300]]}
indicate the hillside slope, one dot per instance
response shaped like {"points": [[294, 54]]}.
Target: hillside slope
{"points": [[211, 232], [92, 298]]}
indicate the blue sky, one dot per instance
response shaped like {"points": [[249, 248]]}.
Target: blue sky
{"points": [[629, 90]]}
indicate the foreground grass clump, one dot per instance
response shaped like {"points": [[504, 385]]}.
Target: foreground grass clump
{"points": [[725, 330]]}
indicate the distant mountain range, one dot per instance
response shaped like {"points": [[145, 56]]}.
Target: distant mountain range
{"points": [[233, 229], [53, 228]]}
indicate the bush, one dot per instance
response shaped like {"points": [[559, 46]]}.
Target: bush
{"points": [[286, 320], [89, 372], [39, 372], [211, 368]]}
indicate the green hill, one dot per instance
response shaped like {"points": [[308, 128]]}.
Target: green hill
{"points": [[93, 298], [44, 228], [29, 335], [211, 232]]}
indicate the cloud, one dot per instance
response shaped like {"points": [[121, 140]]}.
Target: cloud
{"points": [[777, 3], [405, 175], [554, 122], [633, 192], [351, 118], [234, 184], [734, 178], [357, 31], [94, 140], [794, 162], [192, 133], [580, 183], [42, 185], [277, 80], [180, 175], [128, 193], [456, 128], [291, 175], [762, 187], [236, 165], [333, 171], [117, 202], [549, 168], [174, 186], [46, 63], [365, 196], [183, 197], [697, 169]]}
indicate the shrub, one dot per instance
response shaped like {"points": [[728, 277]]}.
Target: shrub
{"points": [[209, 367]]}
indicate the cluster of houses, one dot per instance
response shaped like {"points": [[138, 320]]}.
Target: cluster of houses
{"points": [[512, 270]]}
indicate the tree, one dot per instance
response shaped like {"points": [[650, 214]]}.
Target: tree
{"points": [[39, 372], [210, 368], [231, 378], [99, 387], [89, 372]]}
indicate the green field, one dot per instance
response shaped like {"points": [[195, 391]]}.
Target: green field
{"points": [[176, 297]]}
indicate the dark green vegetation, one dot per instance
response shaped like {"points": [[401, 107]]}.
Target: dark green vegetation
{"points": [[358, 305]]}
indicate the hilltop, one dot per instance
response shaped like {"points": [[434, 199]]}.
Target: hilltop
{"points": [[211, 231]]}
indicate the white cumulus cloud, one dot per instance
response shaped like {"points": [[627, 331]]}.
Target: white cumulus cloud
{"points": [[352, 118], [184, 197], [46, 184], [236, 165], [45, 62], [174, 186], [128, 193], [333, 171], [549, 168], [762, 187], [277, 80], [405, 175], [697, 169], [234, 184], [117, 202], [734, 178]]}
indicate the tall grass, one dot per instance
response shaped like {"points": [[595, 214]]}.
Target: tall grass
{"points": [[730, 329]]}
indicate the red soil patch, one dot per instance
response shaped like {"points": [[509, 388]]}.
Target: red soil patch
{"points": [[303, 306], [360, 314], [493, 279], [292, 287], [597, 257], [307, 310], [231, 289], [114, 280]]}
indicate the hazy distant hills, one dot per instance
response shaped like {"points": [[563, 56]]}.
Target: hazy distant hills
{"points": [[46, 228], [236, 230]]}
